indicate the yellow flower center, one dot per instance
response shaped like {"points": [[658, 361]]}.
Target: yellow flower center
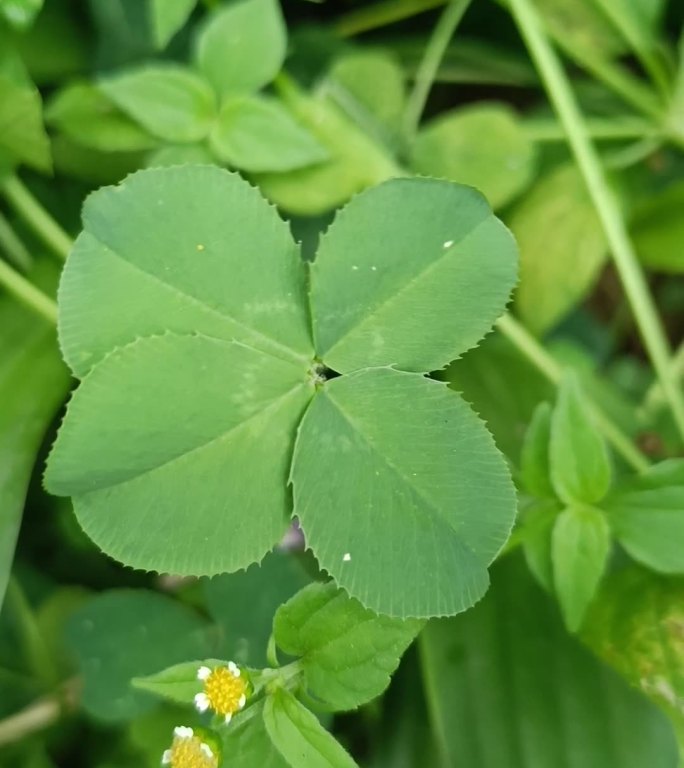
{"points": [[224, 691], [190, 752]]}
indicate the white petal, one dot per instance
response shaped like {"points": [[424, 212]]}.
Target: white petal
{"points": [[201, 702], [229, 717], [203, 673], [183, 732], [233, 668], [242, 701], [207, 750], [166, 757]]}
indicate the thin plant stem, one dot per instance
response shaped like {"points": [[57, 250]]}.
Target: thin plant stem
{"points": [[622, 250], [530, 348], [623, 129], [33, 213], [12, 246], [631, 90], [432, 58], [654, 396], [381, 14], [39, 715], [27, 293], [652, 65]]}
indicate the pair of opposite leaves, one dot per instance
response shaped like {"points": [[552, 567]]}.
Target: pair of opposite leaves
{"points": [[198, 333]]}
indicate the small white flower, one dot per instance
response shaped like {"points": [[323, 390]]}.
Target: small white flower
{"points": [[207, 750], [203, 673], [166, 757], [183, 732], [242, 701], [201, 702], [233, 668], [228, 718]]}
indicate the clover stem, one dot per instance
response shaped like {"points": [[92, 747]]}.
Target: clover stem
{"points": [[13, 247], [33, 213], [428, 67], [560, 94], [523, 340], [27, 293]]}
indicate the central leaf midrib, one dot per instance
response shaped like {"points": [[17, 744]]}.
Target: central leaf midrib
{"points": [[417, 491], [422, 273], [217, 438], [288, 351]]}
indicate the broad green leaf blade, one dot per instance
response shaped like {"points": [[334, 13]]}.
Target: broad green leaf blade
{"points": [[484, 146], [176, 451], [636, 626], [83, 113], [580, 465], [357, 162], [534, 458], [646, 515], [178, 683], [20, 13], [223, 264], [168, 100], [508, 688], [257, 134], [580, 545], [537, 531], [562, 248], [368, 84], [22, 133], [246, 744], [657, 227], [348, 652], [242, 46], [401, 492], [411, 273], [33, 381], [299, 737], [167, 17], [243, 604], [122, 634]]}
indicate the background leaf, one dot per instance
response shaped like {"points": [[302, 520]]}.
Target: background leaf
{"points": [[33, 382], [580, 546], [244, 603], [646, 514], [534, 460], [484, 146], [257, 134], [83, 113], [299, 737], [246, 744], [348, 653], [22, 133], [556, 225], [411, 273], [170, 101], [155, 632], [657, 227], [401, 493], [176, 450], [167, 17], [508, 688], [636, 627], [357, 162], [191, 275], [242, 46], [580, 466]]}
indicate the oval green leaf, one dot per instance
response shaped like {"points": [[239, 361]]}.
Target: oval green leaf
{"points": [[191, 249], [411, 273], [484, 146], [401, 492], [176, 450]]}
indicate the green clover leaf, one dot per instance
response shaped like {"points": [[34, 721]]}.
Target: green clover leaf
{"points": [[208, 378]]}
